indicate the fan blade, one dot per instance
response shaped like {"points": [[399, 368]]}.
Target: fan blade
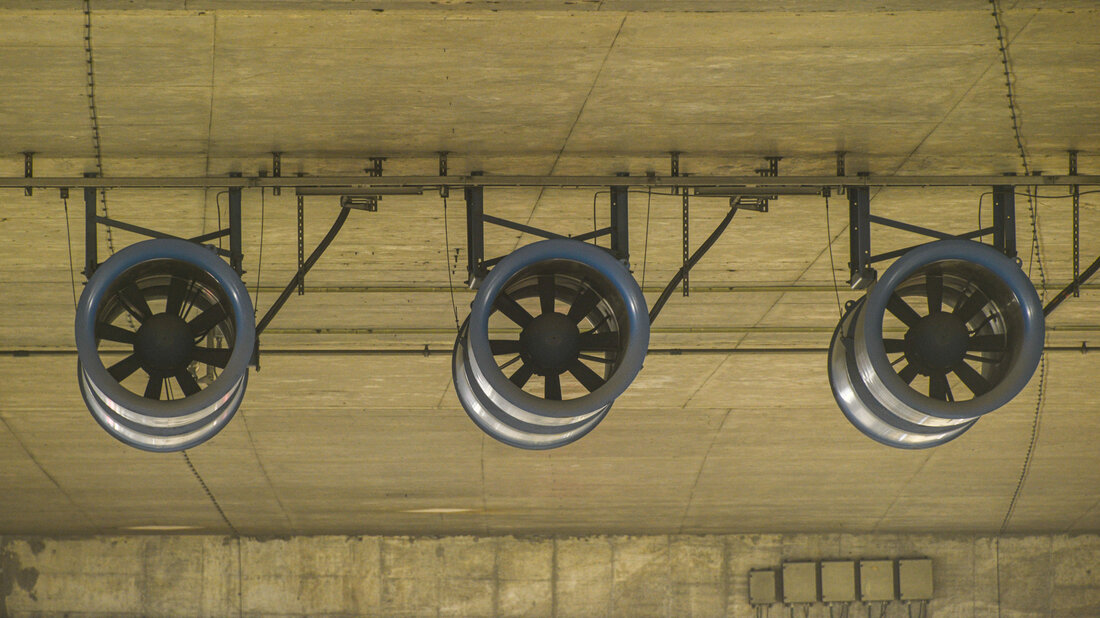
{"points": [[584, 374], [903, 311], [152, 389], [907, 373], [938, 387], [553, 386], [177, 289], [600, 342], [546, 293], [894, 346], [134, 302], [970, 307], [207, 320], [986, 343], [217, 357], [513, 310], [125, 367], [110, 332], [187, 382], [584, 305], [972, 379], [934, 289], [504, 346], [522, 375]]}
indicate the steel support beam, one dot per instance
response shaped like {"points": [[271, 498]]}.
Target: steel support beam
{"points": [[654, 181], [1004, 219], [236, 250], [475, 233], [620, 236], [859, 238], [91, 235]]}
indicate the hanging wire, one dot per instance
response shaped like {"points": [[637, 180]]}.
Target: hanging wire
{"points": [[645, 248], [93, 115], [447, 260], [69, 245], [832, 264], [260, 260], [1035, 253]]}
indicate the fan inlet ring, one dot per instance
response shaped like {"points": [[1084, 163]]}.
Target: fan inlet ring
{"points": [[165, 332], [953, 330], [557, 330]]}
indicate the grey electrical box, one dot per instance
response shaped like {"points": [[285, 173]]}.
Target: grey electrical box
{"points": [[915, 579], [876, 580], [763, 588], [838, 581], [799, 582]]}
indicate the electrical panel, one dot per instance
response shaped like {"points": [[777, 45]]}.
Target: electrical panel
{"points": [[915, 579], [876, 580], [799, 582], [763, 588], [838, 581]]}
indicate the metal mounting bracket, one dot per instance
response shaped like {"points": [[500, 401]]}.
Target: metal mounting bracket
{"points": [[277, 171], [301, 242], [477, 266], [28, 171], [1075, 191], [93, 219], [862, 275]]}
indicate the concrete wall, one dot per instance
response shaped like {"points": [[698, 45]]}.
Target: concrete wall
{"points": [[505, 576]]}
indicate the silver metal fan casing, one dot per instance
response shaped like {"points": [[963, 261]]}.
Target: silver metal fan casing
{"points": [[153, 424], [988, 294], [505, 410]]}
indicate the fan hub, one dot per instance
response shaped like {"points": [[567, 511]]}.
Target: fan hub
{"points": [[163, 344], [936, 343], [550, 342]]}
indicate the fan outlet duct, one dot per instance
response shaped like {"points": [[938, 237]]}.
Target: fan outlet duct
{"points": [[165, 332], [557, 331], [953, 330]]}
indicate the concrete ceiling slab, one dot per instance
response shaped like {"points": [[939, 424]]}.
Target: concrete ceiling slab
{"points": [[352, 425]]}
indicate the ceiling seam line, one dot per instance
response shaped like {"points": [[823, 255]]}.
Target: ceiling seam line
{"points": [[901, 165], [210, 112], [707, 380], [263, 470], [1082, 516], [49, 476], [572, 127], [901, 492], [702, 465]]}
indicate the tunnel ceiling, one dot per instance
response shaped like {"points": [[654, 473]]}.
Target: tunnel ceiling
{"points": [[735, 432]]}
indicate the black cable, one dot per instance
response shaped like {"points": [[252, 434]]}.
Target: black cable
{"points": [[447, 260], [298, 276], [667, 293], [1036, 252], [832, 264], [645, 249], [260, 260], [69, 245]]}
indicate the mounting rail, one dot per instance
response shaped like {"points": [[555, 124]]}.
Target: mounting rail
{"points": [[795, 183]]}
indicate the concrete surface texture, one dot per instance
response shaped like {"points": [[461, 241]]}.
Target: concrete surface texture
{"points": [[349, 428], [1052, 576]]}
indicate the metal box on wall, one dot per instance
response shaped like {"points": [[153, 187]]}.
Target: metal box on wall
{"points": [[876, 580], [763, 587], [799, 582], [838, 581], [915, 579]]}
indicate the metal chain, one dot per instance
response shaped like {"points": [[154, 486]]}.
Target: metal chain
{"points": [[1032, 207], [93, 115], [209, 494]]}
